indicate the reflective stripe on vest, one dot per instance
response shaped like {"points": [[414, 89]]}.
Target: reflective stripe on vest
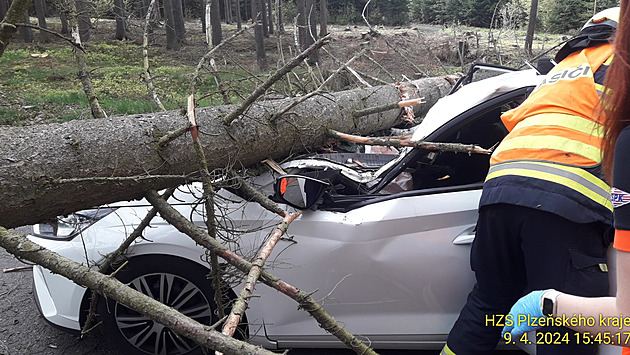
{"points": [[589, 149], [447, 351], [574, 178], [563, 120]]}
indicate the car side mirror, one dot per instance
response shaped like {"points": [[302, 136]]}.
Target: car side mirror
{"points": [[298, 191]]}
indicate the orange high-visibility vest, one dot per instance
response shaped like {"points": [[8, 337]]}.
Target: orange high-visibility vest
{"points": [[550, 160], [561, 128]]}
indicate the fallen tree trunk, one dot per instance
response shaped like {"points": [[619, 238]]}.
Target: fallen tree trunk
{"points": [[54, 169]]}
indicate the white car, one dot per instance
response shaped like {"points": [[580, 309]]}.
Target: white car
{"points": [[383, 241]]}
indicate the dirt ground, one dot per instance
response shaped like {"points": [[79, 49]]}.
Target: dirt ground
{"points": [[23, 330]]}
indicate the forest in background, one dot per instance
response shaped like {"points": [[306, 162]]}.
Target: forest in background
{"points": [[408, 39], [554, 16]]}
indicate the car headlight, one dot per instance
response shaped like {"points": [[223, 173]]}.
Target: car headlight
{"points": [[69, 226]]}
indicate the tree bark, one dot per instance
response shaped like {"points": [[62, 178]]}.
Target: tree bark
{"points": [[169, 25], [239, 20], [311, 35], [323, 18], [227, 9], [65, 28], [84, 18], [531, 27], [4, 7], [259, 36], [54, 169], [178, 18], [280, 19], [215, 22], [262, 7], [26, 32], [270, 16], [204, 15], [121, 22], [40, 9], [207, 21], [301, 22]]}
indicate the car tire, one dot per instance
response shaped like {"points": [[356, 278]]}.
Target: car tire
{"points": [[165, 278]]}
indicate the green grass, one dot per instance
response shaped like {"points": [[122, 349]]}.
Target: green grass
{"points": [[37, 90], [51, 91], [10, 116]]}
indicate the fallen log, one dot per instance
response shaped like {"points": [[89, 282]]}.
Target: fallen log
{"points": [[54, 169]]}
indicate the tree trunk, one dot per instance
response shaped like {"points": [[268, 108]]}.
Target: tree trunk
{"points": [[4, 7], [40, 9], [259, 36], [204, 15], [178, 18], [26, 32], [262, 7], [84, 18], [239, 23], [270, 16], [144, 7], [280, 20], [169, 25], [207, 21], [301, 23], [54, 169], [65, 28], [121, 22], [215, 17], [311, 30], [323, 18], [154, 16], [79, 56], [227, 8], [531, 27]]}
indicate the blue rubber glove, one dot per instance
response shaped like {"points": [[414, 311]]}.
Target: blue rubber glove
{"points": [[526, 305]]}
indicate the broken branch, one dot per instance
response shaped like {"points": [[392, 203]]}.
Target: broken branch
{"points": [[319, 89], [305, 300], [20, 246], [387, 107], [254, 273], [249, 193], [406, 141], [275, 77]]}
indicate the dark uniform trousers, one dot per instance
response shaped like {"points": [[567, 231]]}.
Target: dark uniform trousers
{"points": [[520, 249]]}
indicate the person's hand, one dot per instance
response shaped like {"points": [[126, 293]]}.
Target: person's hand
{"points": [[526, 305]]}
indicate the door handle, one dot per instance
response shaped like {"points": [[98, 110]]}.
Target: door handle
{"points": [[465, 237]]}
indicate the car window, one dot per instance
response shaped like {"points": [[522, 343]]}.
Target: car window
{"points": [[445, 169]]}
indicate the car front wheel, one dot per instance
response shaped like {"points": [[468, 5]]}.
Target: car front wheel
{"points": [[177, 283]]}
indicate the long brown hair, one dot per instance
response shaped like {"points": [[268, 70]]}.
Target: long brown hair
{"points": [[616, 98]]}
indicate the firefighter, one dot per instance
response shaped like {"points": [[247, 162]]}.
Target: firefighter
{"points": [[603, 319], [545, 213]]}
